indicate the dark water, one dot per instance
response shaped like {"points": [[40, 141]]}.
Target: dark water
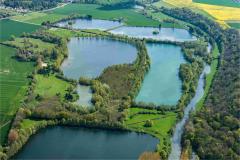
{"points": [[80, 143], [162, 84], [88, 57], [90, 24], [177, 136], [147, 32]]}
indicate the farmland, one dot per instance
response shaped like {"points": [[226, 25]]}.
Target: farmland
{"points": [[13, 82], [228, 3], [130, 16], [220, 13], [10, 27]]}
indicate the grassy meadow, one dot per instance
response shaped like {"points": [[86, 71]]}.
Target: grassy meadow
{"points": [[162, 123], [13, 84], [10, 27], [49, 86]]}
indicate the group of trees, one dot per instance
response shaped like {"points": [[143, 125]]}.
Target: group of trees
{"points": [[32, 4], [213, 132]]}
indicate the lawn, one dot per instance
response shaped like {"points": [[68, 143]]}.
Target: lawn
{"points": [[209, 77], [162, 123], [10, 27], [130, 16], [49, 86], [228, 3], [13, 84], [36, 45]]}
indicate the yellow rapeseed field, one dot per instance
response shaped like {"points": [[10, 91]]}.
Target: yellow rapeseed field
{"points": [[220, 13]]}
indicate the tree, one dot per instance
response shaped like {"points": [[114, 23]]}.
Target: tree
{"points": [[12, 136]]}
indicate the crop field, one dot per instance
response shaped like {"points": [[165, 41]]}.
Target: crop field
{"points": [[219, 13], [130, 16], [228, 3], [162, 123], [45, 87], [10, 27], [13, 84]]}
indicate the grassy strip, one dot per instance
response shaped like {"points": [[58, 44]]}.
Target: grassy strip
{"points": [[209, 77]]}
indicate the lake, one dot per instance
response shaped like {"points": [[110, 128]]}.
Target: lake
{"points": [[171, 34], [162, 84], [81, 143], [90, 24], [88, 57]]}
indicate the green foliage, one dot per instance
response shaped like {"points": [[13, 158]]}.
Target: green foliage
{"points": [[234, 25], [10, 27]]}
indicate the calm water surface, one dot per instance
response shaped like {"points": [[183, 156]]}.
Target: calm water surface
{"points": [[162, 84], [147, 32], [88, 57], [90, 24], [85, 96], [80, 143]]}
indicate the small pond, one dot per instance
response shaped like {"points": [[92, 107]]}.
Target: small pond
{"points": [[85, 96], [171, 34], [162, 84], [88, 57], [81, 143], [90, 24]]}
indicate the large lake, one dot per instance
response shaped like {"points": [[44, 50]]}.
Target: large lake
{"points": [[162, 84], [90, 24], [88, 57], [80, 143]]}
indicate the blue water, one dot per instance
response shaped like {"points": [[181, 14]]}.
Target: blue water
{"points": [[162, 84], [88, 57]]}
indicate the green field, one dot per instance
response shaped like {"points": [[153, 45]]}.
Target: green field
{"points": [[10, 27], [130, 16], [45, 87], [234, 25], [13, 84], [162, 123], [228, 3]]}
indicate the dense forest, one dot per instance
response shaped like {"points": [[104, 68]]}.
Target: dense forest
{"points": [[214, 131], [32, 4]]}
